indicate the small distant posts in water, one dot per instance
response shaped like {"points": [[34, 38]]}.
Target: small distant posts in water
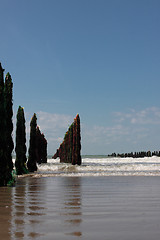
{"points": [[141, 154], [70, 149]]}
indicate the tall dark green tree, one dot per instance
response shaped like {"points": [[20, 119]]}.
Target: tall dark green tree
{"points": [[20, 149], [31, 164]]}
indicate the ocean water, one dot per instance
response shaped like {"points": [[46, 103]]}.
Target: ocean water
{"points": [[102, 166], [104, 198]]}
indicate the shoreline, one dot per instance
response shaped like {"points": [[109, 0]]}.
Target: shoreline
{"points": [[44, 175], [87, 207]]}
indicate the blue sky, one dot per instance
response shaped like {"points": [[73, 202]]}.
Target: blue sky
{"points": [[98, 58]]}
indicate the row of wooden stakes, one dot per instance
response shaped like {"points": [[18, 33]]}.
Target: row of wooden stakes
{"points": [[70, 149]]}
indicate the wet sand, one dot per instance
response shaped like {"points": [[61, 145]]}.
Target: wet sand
{"points": [[105, 208]]}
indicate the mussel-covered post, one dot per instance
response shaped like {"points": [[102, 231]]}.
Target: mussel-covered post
{"points": [[31, 164], [6, 128], [70, 149], [41, 143], [8, 105], [78, 141], [21, 149], [2, 132]]}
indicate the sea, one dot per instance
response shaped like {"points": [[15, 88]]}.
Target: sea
{"points": [[105, 198], [100, 165]]}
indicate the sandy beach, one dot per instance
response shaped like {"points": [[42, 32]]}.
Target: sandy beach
{"points": [[81, 208]]}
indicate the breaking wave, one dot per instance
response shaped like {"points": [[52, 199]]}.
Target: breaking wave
{"points": [[102, 166]]}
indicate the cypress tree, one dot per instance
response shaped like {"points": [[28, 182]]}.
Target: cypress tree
{"points": [[20, 149], [31, 164]]}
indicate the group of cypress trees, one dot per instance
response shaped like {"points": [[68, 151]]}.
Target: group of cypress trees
{"points": [[38, 143], [70, 148], [6, 128]]}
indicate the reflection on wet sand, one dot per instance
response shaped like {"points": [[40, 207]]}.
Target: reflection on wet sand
{"points": [[71, 208], [26, 207], [91, 208], [77, 234], [18, 212], [41, 208], [5, 212]]}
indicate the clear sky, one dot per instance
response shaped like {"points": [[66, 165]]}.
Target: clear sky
{"points": [[98, 58]]}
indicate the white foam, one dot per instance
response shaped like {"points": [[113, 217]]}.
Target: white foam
{"points": [[103, 167]]}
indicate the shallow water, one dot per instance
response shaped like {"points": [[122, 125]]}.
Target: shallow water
{"points": [[104, 198], [65, 208]]}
